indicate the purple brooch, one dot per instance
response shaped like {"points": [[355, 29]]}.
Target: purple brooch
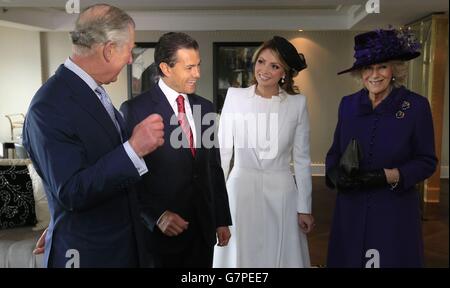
{"points": [[406, 105], [403, 107], [400, 114]]}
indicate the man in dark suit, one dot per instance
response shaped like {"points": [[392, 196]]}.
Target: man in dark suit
{"points": [[184, 203], [78, 144]]}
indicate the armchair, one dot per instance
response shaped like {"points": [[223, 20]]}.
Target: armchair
{"points": [[16, 122]]}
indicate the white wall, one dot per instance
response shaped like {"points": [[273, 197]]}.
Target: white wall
{"points": [[319, 82], [20, 73], [326, 52]]}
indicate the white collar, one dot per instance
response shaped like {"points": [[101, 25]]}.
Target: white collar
{"points": [[69, 64], [171, 94], [281, 93]]}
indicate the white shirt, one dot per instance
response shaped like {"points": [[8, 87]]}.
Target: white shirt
{"points": [[172, 96]]}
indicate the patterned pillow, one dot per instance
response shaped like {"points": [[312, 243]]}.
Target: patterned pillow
{"points": [[16, 197]]}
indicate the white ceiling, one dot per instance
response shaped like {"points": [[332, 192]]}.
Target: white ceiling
{"points": [[198, 15]]}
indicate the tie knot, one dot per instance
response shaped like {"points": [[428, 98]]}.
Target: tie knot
{"points": [[100, 90], [103, 95], [180, 104]]}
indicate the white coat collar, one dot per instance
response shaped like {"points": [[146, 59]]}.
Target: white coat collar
{"points": [[251, 92]]}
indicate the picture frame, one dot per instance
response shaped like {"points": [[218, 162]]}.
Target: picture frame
{"points": [[232, 62], [142, 73]]}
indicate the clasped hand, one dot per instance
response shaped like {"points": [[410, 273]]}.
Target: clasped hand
{"points": [[360, 180]]}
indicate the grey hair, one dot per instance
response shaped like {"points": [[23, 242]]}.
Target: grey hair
{"points": [[399, 73], [99, 24]]}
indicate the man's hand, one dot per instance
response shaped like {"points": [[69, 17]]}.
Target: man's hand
{"points": [[223, 235], [306, 222], [147, 135], [171, 224], [40, 244]]}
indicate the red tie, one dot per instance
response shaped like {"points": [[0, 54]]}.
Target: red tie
{"points": [[182, 120]]}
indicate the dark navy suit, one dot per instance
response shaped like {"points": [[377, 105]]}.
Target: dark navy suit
{"points": [[77, 151], [193, 187]]}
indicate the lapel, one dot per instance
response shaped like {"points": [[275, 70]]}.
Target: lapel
{"points": [[199, 128], [393, 102], [364, 106], [89, 101], [281, 107], [160, 104], [122, 125], [251, 95]]}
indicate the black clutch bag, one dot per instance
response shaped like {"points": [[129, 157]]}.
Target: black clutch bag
{"points": [[351, 157], [347, 168]]}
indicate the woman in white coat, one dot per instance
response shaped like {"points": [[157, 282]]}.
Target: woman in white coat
{"points": [[266, 126]]}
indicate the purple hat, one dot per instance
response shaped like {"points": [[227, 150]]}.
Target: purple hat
{"points": [[383, 45]]}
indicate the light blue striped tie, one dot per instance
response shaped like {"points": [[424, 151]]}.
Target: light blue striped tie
{"points": [[106, 101]]}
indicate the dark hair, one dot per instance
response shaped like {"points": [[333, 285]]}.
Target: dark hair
{"points": [[288, 84], [168, 45]]}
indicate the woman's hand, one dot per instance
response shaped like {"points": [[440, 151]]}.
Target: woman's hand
{"points": [[306, 222], [392, 175], [223, 235]]}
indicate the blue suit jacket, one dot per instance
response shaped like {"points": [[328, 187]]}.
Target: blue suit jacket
{"points": [[77, 151], [192, 187]]}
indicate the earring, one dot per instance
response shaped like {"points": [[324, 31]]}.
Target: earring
{"points": [[393, 78], [282, 80]]}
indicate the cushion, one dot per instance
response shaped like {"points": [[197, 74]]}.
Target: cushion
{"points": [[16, 246], [17, 206], [41, 204], [20, 255]]}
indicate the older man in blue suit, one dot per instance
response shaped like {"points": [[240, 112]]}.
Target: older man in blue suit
{"points": [[78, 142]]}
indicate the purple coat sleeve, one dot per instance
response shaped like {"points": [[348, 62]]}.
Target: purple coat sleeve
{"points": [[334, 153], [423, 161]]}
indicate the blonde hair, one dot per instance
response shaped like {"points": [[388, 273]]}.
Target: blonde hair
{"points": [[288, 85], [399, 73]]}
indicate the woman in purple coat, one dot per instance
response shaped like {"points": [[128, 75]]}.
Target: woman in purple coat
{"points": [[376, 221]]}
